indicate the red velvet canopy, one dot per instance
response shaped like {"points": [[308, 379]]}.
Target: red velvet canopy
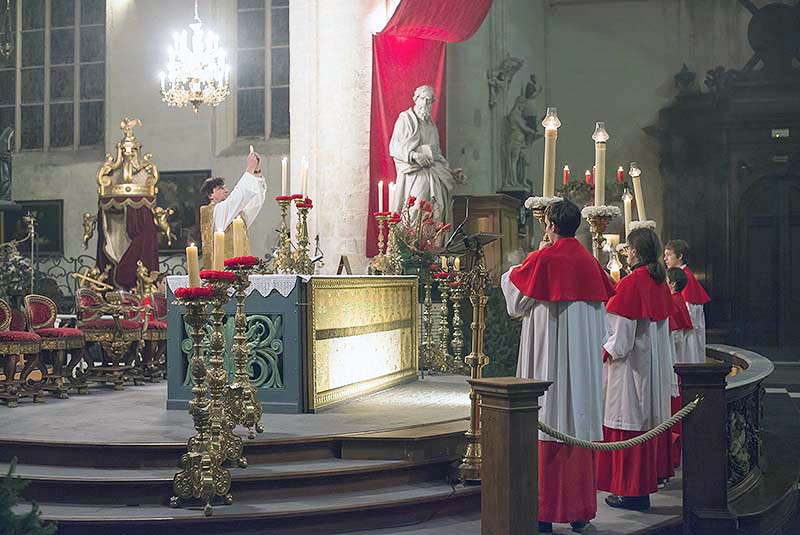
{"points": [[408, 53]]}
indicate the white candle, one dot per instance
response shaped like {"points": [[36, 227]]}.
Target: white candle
{"points": [[635, 173], [304, 178], [457, 264], [551, 124], [284, 176], [380, 196], [238, 237], [192, 266], [600, 137], [391, 196], [218, 263], [626, 199]]}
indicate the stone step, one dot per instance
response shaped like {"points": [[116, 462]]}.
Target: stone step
{"points": [[309, 514]]}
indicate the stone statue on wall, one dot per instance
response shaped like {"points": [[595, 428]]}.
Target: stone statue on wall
{"points": [[422, 170], [517, 137], [500, 78]]}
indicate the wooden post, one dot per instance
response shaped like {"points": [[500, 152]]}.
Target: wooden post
{"points": [[705, 450], [509, 487]]}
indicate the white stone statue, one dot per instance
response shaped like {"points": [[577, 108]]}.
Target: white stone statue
{"points": [[422, 170]]}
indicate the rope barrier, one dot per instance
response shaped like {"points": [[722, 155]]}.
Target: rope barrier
{"points": [[622, 444]]}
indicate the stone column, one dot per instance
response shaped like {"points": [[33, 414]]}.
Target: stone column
{"points": [[705, 450], [331, 77], [509, 482]]}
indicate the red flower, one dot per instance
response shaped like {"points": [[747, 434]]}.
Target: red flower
{"points": [[241, 261], [429, 221], [194, 293], [433, 267], [441, 275], [411, 200], [213, 275], [304, 205], [283, 198], [428, 207], [296, 196]]}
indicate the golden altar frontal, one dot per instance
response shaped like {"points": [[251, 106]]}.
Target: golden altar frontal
{"points": [[362, 336]]}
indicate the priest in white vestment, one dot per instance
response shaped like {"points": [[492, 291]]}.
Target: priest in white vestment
{"points": [[560, 291], [245, 201], [676, 254], [638, 376], [422, 170]]}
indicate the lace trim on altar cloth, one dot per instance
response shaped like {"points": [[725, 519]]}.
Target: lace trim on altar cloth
{"points": [[263, 284]]}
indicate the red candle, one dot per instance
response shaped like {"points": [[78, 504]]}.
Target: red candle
{"points": [[566, 174], [620, 175], [588, 177]]}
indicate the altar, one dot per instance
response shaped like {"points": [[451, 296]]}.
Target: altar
{"points": [[314, 340]]}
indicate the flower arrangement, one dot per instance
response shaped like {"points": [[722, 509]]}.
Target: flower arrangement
{"points": [[15, 274], [536, 203], [610, 212], [241, 261], [647, 223], [194, 293], [213, 275], [419, 238]]}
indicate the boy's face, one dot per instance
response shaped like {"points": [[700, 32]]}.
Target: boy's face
{"points": [[219, 194], [671, 259]]}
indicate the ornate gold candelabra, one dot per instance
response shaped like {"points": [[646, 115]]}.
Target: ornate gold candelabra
{"points": [[597, 225], [538, 213], [427, 323], [221, 424], [241, 401], [395, 266], [302, 262], [478, 281], [283, 262], [202, 475], [380, 263], [444, 360], [456, 296]]}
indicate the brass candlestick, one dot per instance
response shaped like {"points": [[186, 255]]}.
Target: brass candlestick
{"points": [[597, 225], [538, 213], [221, 425], [302, 262], [283, 262], [427, 323], [394, 264], [380, 263], [456, 296], [478, 281], [202, 476], [241, 401], [444, 323]]}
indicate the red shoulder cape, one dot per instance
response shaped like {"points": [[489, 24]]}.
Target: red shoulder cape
{"points": [[639, 296], [565, 271], [679, 320], [694, 293]]}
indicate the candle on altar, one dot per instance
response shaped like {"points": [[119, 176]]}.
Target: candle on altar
{"points": [[284, 176], [566, 175], [380, 196], [457, 264], [192, 266], [444, 263], [238, 237], [304, 177], [626, 199], [636, 173], [620, 174], [551, 124], [218, 262], [600, 137], [587, 177], [392, 187], [615, 274]]}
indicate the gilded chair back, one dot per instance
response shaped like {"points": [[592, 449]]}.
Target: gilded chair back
{"points": [[89, 305], [5, 315], [40, 311]]}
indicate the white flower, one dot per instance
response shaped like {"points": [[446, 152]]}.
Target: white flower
{"points": [[535, 203], [611, 212], [648, 223]]}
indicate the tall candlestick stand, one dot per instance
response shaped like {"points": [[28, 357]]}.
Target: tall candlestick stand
{"points": [[380, 262], [283, 262], [427, 324], [538, 205], [444, 360], [394, 265], [241, 402], [598, 218], [302, 262], [456, 297], [221, 425], [478, 282], [202, 475], [538, 213]]}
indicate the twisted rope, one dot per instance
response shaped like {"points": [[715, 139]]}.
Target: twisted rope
{"points": [[635, 441]]}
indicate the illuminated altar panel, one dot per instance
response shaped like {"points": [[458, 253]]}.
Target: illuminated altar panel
{"points": [[362, 336]]}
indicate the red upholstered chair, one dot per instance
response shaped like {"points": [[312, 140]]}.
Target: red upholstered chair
{"points": [[154, 362], [40, 312], [13, 346], [116, 329]]}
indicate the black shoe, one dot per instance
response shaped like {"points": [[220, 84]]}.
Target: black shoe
{"points": [[579, 527], [633, 503], [545, 527]]}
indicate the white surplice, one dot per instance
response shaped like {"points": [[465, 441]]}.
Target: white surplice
{"points": [[696, 338], [638, 378], [562, 342], [246, 199]]}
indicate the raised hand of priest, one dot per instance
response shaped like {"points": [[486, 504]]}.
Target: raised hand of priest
{"points": [[254, 163]]}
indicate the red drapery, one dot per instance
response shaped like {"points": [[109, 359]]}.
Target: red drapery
{"points": [[408, 53]]}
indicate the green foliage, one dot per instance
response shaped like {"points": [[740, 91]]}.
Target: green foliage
{"points": [[12, 524], [501, 338], [582, 194]]}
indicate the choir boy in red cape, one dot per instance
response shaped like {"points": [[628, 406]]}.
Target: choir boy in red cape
{"points": [[676, 254], [637, 374], [680, 325], [560, 291]]}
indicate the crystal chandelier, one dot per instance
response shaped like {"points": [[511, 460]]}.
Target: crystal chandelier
{"points": [[196, 71], [7, 34]]}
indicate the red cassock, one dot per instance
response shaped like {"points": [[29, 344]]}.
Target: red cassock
{"points": [[560, 292], [638, 381], [695, 297]]}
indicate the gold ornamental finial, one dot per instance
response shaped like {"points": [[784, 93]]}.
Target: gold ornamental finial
{"points": [[128, 177]]}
